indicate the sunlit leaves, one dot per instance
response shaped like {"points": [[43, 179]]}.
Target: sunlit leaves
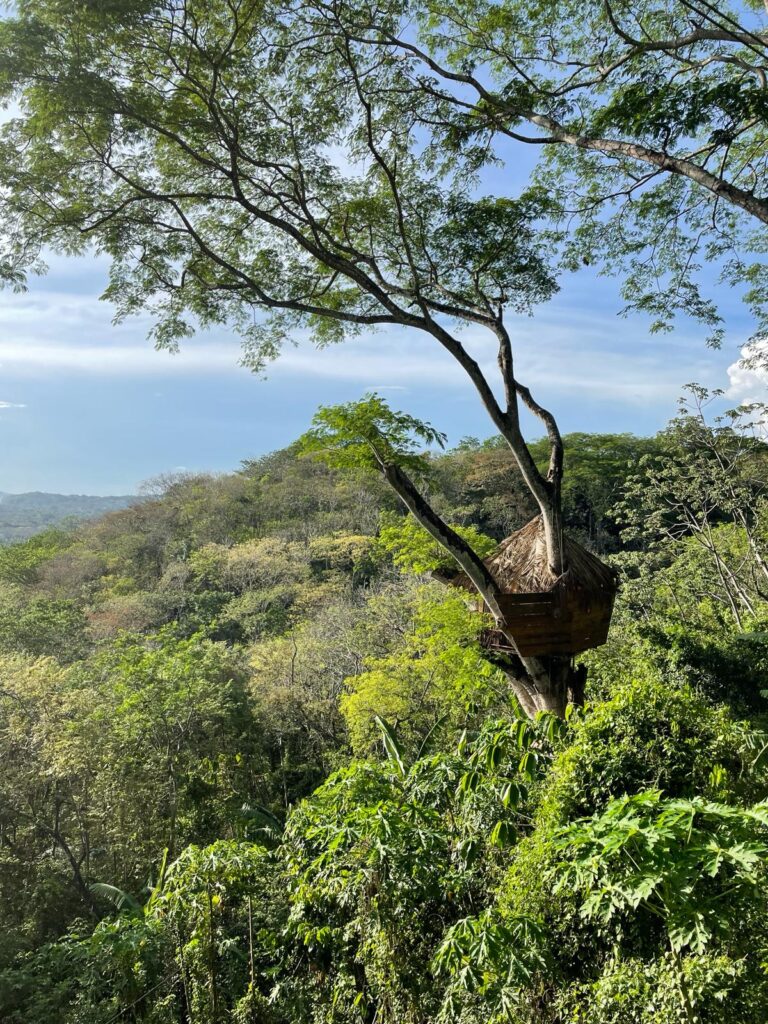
{"points": [[689, 862], [414, 550], [391, 746], [492, 957], [434, 680], [383, 855], [368, 434]]}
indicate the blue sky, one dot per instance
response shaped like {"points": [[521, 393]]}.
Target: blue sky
{"points": [[89, 407]]}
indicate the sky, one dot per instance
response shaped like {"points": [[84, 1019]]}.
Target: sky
{"points": [[90, 407]]}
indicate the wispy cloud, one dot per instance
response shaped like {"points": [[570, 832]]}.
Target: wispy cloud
{"points": [[553, 358], [565, 353], [104, 398], [556, 356], [109, 359], [12, 405]]}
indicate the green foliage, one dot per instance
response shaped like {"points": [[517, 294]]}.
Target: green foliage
{"points": [[435, 682], [592, 888], [650, 734], [477, 232], [355, 554], [180, 955], [668, 634], [281, 179], [369, 846], [690, 870], [596, 470], [646, 82], [385, 858], [247, 556], [693, 600], [414, 550], [635, 991], [91, 978], [360, 824], [19, 562], [667, 110], [369, 435], [44, 627], [693, 864], [226, 903], [491, 958], [144, 747], [354, 248]]}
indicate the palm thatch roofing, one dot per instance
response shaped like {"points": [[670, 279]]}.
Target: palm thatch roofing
{"points": [[520, 566]]}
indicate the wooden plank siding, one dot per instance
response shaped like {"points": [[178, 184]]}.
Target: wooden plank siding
{"points": [[565, 622]]}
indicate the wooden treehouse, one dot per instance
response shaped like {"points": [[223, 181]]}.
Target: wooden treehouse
{"points": [[548, 615]]}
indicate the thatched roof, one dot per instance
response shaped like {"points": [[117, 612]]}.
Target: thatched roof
{"points": [[519, 565]]}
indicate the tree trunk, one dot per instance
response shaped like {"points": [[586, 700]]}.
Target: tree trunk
{"points": [[553, 534], [558, 683], [540, 684]]}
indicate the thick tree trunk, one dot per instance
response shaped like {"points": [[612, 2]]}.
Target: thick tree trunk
{"points": [[560, 683]]}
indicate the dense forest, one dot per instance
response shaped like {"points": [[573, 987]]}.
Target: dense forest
{"points": [[22, 515], [258, 768], [372, 731]]}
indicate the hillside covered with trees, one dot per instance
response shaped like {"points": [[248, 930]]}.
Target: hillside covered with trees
{"points": [[22, 515], [257, 767]]}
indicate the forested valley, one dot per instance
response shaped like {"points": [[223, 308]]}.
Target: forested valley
{"points": [[256, 766]]}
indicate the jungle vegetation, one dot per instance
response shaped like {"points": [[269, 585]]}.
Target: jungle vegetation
{"points": [[259, 764], [23, 515], [319, 168], [256, 766]]}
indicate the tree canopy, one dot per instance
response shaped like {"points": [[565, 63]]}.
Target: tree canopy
{"points": [[258, 675], [650, 121]]}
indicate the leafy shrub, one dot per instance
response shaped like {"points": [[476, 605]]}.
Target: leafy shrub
{"points": [[413, 550], [256, 614], [648, 735], [630, 990], [436, 678], [44, 627]]}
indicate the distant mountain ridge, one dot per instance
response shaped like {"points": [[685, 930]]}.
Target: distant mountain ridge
{"points": [[23, 515]]}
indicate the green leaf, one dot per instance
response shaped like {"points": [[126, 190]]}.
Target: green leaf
{"points": [[513, 794], [121, 900], [502, 834], [529, 764], [391, 745]]}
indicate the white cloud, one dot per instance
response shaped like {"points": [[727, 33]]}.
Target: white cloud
{"points": [[110, 359], [12, 405], [749, 382], [748, 377], [574, 355], [567, 354], [555, 357]]}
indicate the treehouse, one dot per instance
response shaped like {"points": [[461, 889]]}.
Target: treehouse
{"points": [[548, 615]]}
